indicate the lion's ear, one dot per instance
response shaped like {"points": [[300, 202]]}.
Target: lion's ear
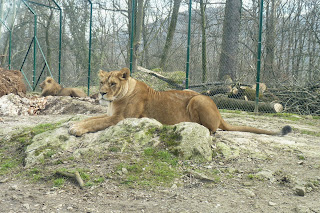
{"points": [[102, 73], [125, 72], [49, 80]]}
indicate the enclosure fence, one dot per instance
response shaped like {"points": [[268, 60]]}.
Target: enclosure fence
{"points": [[261, 56]]}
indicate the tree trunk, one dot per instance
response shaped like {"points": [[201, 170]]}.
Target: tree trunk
{"points": [[171, 30], [230, 39], [137, 31], [78, 27], [204, 42], [145, 37], [1, 15], [236, 104], [47, 34], [270, 42], [11, 19]]}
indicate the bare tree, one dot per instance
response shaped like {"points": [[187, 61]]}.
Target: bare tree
{"points": [[11, 20], [270, 40], [1, 15], [77, 20], [48, 38], [230, 39], [171, 30], [204, 41], [137, 34]]}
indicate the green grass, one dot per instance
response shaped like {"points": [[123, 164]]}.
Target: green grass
{"points": [[6, 165], [99, 180], [312, 133], [25, 137], [287, 116], [86, 175], [44, 127], [255, 177], [114, 149], [154, 168], [168, 136], [12, 151], [59, 182], [35, 174]]}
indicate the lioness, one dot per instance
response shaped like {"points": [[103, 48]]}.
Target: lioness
{"points": [[129, 98], [50, 87]]}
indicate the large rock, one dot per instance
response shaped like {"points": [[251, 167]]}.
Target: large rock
{"points": [[12, 105], [188, 140], [195, 141], [58, 105]]}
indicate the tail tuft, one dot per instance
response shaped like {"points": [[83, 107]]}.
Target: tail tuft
{"points": [[286, 129]]}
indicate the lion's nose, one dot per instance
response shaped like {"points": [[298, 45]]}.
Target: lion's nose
{"points": [[102, 93]]}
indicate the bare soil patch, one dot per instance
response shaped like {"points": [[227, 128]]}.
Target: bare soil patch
{"points": [[275, 174]]}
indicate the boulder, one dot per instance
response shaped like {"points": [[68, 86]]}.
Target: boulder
{"points": [[12, 105], [195, 142], [187, 140]]}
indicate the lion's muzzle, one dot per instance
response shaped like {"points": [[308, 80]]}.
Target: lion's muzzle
{"points": [[103, 99]]}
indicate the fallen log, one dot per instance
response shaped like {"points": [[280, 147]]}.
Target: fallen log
{"points": [[236, 104], [161, 77], [219, 89]]}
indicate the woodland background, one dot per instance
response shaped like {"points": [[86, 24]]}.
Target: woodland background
{"points": [[224, 39]]}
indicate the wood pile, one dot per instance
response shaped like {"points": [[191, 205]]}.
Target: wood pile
{"points": [[301, 100], [11, 81]]}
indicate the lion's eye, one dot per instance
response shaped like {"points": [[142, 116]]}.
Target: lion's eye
{"points": [[112, 84]]}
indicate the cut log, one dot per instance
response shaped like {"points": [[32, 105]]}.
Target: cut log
{"points": [[262, 87], [161, 77], [236, 104], [243, 92], [142, 69], [219, 89]]}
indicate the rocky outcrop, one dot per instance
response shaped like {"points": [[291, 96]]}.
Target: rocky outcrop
{"points": [[12, 105], [186, 140]]}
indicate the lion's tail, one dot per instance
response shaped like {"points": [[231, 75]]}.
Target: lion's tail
{"points": [[228, 127]]}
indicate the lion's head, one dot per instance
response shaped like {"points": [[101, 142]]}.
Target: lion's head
{"points": [[113, 85], [50, 87], [49, 82]]}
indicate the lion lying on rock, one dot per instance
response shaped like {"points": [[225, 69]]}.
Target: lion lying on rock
{"points": [[50, 87], [129, 98]]}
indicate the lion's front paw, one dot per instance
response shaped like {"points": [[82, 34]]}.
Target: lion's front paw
{"points": [[77, 130]]}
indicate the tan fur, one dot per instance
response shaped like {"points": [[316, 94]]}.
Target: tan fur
{"points": [[50, 87], [130, 98]]}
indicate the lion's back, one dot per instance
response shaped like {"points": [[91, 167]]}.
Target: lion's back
{"points": [[73, 92]]}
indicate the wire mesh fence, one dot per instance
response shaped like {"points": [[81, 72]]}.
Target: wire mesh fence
{"points": [[221, 60]]}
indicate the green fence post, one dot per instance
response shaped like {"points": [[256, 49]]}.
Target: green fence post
{"points": [[188, 46], [9, 60], [89, 60], [132, 33], [60, 39], [259, 57], [34, 45], [35, 53]]}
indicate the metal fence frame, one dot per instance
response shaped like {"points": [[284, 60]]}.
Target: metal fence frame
{"points": [[36, 44]]}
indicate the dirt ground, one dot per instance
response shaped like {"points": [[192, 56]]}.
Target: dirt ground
{"points": [[287, 180]]}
